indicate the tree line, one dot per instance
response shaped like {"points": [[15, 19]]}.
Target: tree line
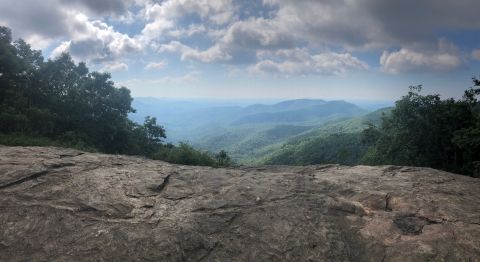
{"points": [[425, 130], [60, 102]]}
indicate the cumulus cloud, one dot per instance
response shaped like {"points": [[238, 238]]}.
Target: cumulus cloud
{"points": [[329, 23], [218, 11], [114, 67], [340, 22], [406, 60], [163, 16], [445, 57], [42, 23], [50, 18], [212, 54], [157, 65], [256, 34], [34, 20], [374, 23], [301, 62], [95, 41], [155, 29]]}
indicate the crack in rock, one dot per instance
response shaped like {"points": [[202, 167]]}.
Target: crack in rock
{"points": [[25, 179], [163, 185], [388, 198], [70, 155]]}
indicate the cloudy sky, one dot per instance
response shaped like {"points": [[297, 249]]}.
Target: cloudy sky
{"points": [[351, 49]]}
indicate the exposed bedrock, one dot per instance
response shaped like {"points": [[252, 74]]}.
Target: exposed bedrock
{"points": [[66, 205]]}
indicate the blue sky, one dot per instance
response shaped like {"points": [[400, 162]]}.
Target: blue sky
{"points": [[331, 49]]}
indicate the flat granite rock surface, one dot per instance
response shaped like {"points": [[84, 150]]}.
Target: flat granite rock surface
{"points": [[67, 205]]}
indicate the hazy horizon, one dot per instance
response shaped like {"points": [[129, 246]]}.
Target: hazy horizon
{"points": [[370, 105]]}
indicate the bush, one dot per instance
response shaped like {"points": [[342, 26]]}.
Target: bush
{"points": [[186, 155], [25, 140]]}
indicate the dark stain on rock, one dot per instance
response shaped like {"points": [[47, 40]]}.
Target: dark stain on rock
{"points": [[412, 225]]}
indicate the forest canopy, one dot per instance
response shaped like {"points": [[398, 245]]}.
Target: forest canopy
{"points": [[425, 130]]}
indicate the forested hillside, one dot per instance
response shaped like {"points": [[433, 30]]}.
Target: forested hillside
{"points": [[248, 133], [334, 142]]}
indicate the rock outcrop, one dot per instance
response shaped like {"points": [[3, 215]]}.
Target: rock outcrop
{"points": [[66, 205]]}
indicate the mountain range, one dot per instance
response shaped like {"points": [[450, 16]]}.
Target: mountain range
{"points": [[248, 132]]}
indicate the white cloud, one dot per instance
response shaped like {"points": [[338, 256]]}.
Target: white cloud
{"points": [[406, 60], [114, 67], [257, 34], [254, 34], [189, 77], [164, 16], [62, 48], [301, 62], [95, 41], [38, 42], [476, 54], [155, 29], [128, 18], [445, 58], [218, 11], [339, 22], [370, 24], [159, 65], [212, 54], [187, 32]]}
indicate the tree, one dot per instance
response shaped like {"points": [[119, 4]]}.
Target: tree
{"points": [[148, 137], [468, 139], [154, 132], [223, 159]]}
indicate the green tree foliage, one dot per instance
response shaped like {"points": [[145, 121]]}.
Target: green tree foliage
{"points": [[61, 103], [223, 159], [61, 100], [341, 148], [336, 142], [187, 155], [424, 130]]}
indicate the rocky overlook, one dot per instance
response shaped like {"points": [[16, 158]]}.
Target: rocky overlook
{"points": [[66, 205]]}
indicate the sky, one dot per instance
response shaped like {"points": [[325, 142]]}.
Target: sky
{"points": [[330, 49]]}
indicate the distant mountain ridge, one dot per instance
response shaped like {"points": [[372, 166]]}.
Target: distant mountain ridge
{"points": [[295, 111], [245, 131], [337, 141]]}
